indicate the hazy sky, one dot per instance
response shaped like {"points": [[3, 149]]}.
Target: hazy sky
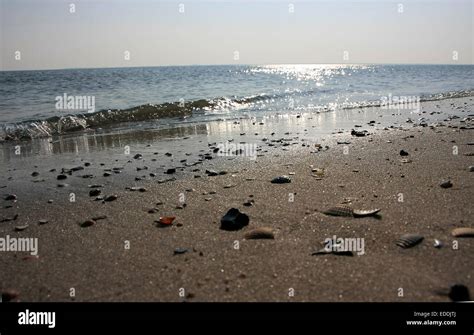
{"points": [[99, 32]]}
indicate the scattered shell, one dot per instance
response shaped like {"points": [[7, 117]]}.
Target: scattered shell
{"points": [[42, 222], [87, 223], [230, 186], [260, 233], [99, 217], [325, 251], [463, 232], [437, 244], [11, 197], [409, 240], [9, 219], [339, 211], [318, 172], [249, 203], [94, 193], [212, 173], [110, 198], [139, 189], [281, 180], [21, 228], [446, 184], [180, 251], [166, 220], [358, 213], [405, 160]]}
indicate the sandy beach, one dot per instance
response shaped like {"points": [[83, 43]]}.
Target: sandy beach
{"points": [[124, 255]]}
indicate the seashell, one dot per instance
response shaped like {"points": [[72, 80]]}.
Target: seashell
{"points": [[94, 192], [180, 251], [318, 172], [463, 232], [42, 221], [437, 244], [365, 212], [135, 189], [339, 211], [409, 240], [446, 184], [324, 251], [166, 220], [260, 233], [110, 198], [99, 217], [21, 228], [87, 223], [281, 180]]}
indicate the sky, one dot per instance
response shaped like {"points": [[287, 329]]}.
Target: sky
{"points": [[48, 34]]}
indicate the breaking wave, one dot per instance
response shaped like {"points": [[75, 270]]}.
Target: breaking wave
{"points": [[60, 125]]}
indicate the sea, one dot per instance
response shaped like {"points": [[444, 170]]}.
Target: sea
{"points": [[38, 104]]}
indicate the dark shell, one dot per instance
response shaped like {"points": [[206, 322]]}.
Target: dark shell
{"points": [[94, 193], [87, 223], [409, 240], [260, 233], [463, 232], [281, 180], [446, 184], [339, 211], [110, 198], [324, 251], [180, 251]]}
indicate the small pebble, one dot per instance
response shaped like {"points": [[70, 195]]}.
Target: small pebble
{"points": [[94, 193], [446, 184], [110, 198], [403, 153]]}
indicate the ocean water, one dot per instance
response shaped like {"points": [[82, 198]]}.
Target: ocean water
{"points": [[31, 101]]}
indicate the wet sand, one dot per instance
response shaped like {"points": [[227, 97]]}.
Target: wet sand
{"points": [[366, 173]]}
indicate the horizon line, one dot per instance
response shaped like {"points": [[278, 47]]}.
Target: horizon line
{"points": [[240, 64]]}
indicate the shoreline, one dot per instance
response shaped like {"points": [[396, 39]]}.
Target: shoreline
{"points": [[367, 172]]}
